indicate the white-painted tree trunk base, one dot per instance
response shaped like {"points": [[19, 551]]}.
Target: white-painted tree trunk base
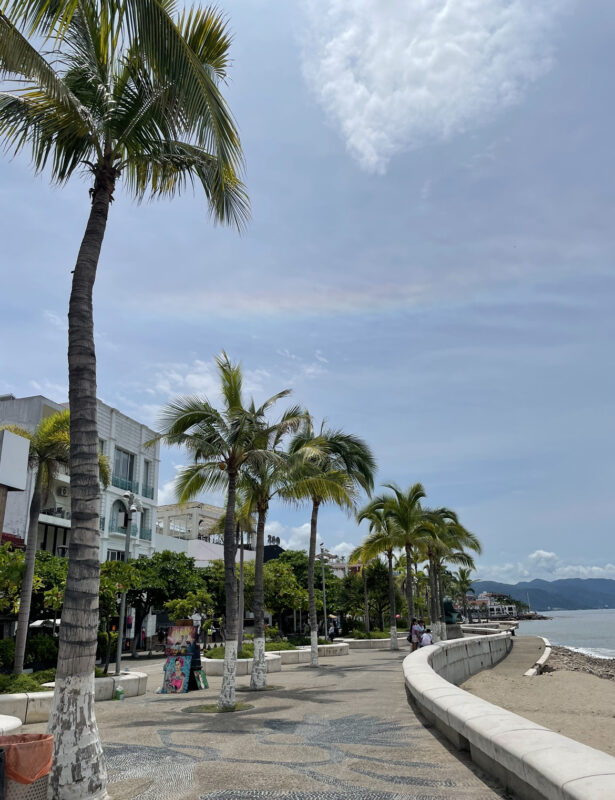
{"points": [[314, 648], [227, 691], [78, 771], [394, 645], [258, 677]]}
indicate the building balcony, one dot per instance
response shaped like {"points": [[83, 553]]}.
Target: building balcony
{"points": [[145, 534], [148, 491], [125, 484], [115, 527], [60, 517], [101, 523]]}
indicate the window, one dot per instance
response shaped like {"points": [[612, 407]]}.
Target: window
{"points": [[147, 473], [101, 446], [115, 555], [124, 465]]}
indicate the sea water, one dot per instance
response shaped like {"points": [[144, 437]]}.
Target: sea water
{"points": [[591, 632]]}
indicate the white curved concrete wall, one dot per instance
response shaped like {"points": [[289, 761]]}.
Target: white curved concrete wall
{"points": [[530, 760], [32, 707]]}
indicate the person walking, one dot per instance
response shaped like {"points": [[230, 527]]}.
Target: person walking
{"points": [[415, 635], [331, 631]]}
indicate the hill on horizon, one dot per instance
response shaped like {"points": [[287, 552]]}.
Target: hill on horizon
{"points": [[564, 593]]}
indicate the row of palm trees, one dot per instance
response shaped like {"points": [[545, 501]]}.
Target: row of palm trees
{"points": [[399, 522], [239, 448]]}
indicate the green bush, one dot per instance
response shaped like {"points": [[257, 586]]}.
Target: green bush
{"points": [[272, 633], [279, 646], [24, 683], [45, 675], [357, 634], [248, 636], [101, 649], [41, 651], [7, 654]]}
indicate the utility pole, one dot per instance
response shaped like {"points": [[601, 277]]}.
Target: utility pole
{"points": [[324, 590], [133, 507]]}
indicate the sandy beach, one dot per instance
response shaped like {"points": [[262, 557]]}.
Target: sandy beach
{"points": [[574, 696]]}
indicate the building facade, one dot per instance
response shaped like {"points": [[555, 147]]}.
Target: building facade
{"points": [[134, 469]]}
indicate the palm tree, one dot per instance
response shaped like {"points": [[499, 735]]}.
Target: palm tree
{"points": [[356, 557], [259, 484], [444, 539], [383, 538], [109, 100], [222, 444], [463, 586], [404, 509], [333, 466], [49, 449]]}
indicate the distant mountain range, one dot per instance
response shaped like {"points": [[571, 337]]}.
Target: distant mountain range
{"points": [[568, 593]]}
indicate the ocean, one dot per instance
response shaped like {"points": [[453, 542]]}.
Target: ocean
{"points": [[591, 632]]}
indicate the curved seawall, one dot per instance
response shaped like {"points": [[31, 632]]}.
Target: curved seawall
{"points": [[531, 761]]}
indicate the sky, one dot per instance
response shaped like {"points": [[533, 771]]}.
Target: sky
{"points": [[429, 264]]}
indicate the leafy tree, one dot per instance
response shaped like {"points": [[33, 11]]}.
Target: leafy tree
{"points": [[163, 577], [213, 578], [351, 600], [116, 577], [222, 444], [12, 565], [129, 93], [378, 588], [332, 467], [283, 592], [196, 602]]}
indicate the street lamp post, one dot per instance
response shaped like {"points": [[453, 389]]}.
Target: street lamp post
{"points": [[134, 506], [324, 591]]}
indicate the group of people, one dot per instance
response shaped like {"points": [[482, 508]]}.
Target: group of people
{"points": [[419, 635]]}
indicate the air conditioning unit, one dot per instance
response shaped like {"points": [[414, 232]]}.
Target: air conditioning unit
{"points": [[63, 491]]}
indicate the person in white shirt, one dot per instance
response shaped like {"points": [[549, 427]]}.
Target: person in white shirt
{"points": [[426, 638]]}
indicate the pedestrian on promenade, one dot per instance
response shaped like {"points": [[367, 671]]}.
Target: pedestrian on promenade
{"points": [[331, 631], [416, 632], [426, 638]]}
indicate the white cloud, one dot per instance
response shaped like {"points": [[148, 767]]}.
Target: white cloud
{"points": [[396, 75], [166, 493], [56, 321], [542, 564], [343, 549]]}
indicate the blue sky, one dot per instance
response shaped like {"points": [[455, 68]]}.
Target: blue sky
{"points": [[429, 263]]}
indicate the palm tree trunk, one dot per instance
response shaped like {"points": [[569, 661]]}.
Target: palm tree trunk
{"points": [[25, 600], [311, 595], [409, 587], [240, 609], [441, 620], [258, 678], [365, 598], [432, 594], [78, 769], [394, 644], [227, 691]]}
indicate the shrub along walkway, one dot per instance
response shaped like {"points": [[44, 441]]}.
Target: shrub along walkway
{"points": [[342, 732]]}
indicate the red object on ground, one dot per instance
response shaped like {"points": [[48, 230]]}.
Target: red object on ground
{"points": [[28, 756]]}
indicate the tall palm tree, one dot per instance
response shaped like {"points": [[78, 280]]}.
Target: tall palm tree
{"points": [[259, 484], [444, 539], [382, 539], [222, 445], [335, 466], [356, 557], [108, 100], [49, 450], [404, 509]]}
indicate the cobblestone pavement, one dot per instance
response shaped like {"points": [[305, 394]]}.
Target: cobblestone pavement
{"points": [[341, 732]]}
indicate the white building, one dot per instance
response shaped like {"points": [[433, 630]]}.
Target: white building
{"points": [[188, 528], [134, 468], [496, 609]]}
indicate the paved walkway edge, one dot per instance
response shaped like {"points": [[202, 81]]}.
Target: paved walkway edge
{"points": [[531, 761], [540, 663]]}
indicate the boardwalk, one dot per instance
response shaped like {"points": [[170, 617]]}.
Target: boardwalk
{"points": [[342, 732]]}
